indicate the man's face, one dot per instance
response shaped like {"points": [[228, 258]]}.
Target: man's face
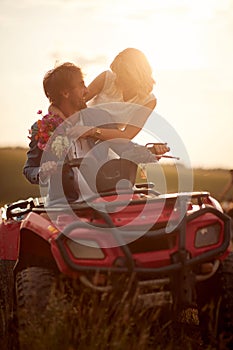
{"points": [[77, 94]]}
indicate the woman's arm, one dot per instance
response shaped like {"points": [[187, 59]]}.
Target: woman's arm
{"points": [[104, 134], [128, 133], [95, 87], [107, 130], [152, 104]]}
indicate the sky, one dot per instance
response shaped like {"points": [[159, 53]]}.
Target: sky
{"points": [[188, 44]]}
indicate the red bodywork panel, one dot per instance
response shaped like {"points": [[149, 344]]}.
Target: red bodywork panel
{"points": [[41, 226], [10, 234], [9, 240], [154, 258]]}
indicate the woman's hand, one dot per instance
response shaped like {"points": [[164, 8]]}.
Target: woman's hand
{"points": [[80, 131], [160, 149], [56, 111]]}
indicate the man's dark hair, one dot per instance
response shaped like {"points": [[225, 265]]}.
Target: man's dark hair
{"points": [[59, 79]]}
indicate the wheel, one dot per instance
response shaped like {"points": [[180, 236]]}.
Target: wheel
{"points": [[40, 309], [6, 303], [215, 306]]}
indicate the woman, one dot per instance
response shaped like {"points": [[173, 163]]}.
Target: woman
{"points": [[121, 91], [125, 92], [129, 80]]}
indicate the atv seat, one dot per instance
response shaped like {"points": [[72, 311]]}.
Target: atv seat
{"points": [[116, 174], [112, 175]]}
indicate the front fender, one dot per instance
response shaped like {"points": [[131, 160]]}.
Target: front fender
{"points": [[34, 243], [39, 225]]}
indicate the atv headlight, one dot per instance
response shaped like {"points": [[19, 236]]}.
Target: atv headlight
{"points": [[207, 235], [85, 249]]}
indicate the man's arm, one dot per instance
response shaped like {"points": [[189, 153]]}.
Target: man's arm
{"points": [[32, 165], [35, 171]]}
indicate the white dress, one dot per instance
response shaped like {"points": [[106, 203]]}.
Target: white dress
{"points": [[110, 93]]}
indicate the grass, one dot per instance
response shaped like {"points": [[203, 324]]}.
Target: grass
{"points": [[210, 180], [78, 318], [14, 185], [90, 321]]}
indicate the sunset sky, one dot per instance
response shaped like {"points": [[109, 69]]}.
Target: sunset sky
{"points": [[188, 43]]}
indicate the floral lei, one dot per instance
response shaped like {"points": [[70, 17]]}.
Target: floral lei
{"points": [[44, 130]]}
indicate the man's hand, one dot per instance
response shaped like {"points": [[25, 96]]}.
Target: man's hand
{"points": [[46, 170]]}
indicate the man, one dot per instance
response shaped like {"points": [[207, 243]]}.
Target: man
{"points": [[65, 88]]}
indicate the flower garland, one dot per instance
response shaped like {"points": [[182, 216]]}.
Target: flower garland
{"points": [[44, 130]]}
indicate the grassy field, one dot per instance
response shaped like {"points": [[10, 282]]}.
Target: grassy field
{"points": [[14, 185]]}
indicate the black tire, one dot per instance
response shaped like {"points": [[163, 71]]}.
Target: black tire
{"points": [[36, 304], [6, 303], [215, 307], [33, 288]]}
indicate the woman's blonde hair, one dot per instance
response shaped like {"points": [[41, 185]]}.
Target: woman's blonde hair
{"points": [[132, 65]]}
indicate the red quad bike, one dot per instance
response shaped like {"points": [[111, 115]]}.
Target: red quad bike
{"points": [[168, 250]]}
